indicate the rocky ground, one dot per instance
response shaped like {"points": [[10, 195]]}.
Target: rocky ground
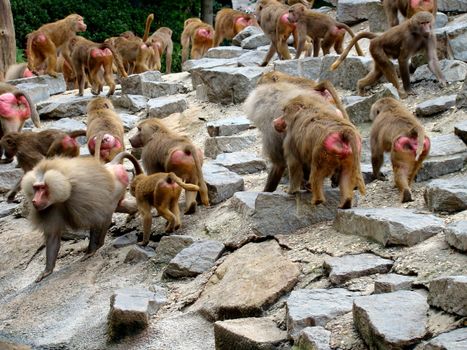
{"points": [[254, 270]]}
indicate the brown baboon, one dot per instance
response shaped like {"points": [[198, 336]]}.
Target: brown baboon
{"points": [[407, 8], [134, 53], [230, 22], [18, 71], [161, 43], [198, 35]]}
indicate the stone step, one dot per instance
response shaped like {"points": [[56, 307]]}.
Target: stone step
{"points": [[447, 195], [241, 162], [214, 146], [222, 183], [456, 235], [228, 126], [435, 105], [393, 282], [162, 107], [54, 85], [450, 294], [453, 340]]}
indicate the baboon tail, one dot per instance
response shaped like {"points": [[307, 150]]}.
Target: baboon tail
{"points": [[29, 52], [355, 39], [420, 141], [97, 145], [353, 137], [199, 170], [76, 133], [119, 157], [149, 20], [178, 181], [117, 58], [351, 33], [32, 107]]}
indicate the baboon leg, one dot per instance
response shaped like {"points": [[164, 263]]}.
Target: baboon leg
{"points": [[274, 177], [190, 202], [317, 179], [145, 211], [295, 174], [377, 160], [368, 80], [52, 244], [175, 209]]}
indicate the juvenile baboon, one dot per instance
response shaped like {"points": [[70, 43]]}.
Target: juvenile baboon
{"points": [[104, 129], [167, 151], [161, 43], [198, 35], [44, 43], [400, 42], [407, 8], [396, 130], [162, 191], [230, 22], [76, 193]]}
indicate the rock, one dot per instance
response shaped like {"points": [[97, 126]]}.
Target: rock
{"points": [[359, 109], [206, 63], [225, 52], [129, 121], [461, 100], [68, 124], [221, 182], [451, 39], [393, 282], [227, 84], [54, 85], [125, 240], [154, 89], [227, 144], [448, 154], [352, 69], [377, 20], [194, 259], [250, 279], [441, 20], [461, 131], [253, 58], [134, 84], [453, 71], [228, 126], [353, 11], [435, 105], [13, 346], [367, 172], [447, 195], [314, 338], [308, 67], [134, 103], [248, 333], [130, 309], [316, 307], [139, 254], [450, 294], [7, 209], [245, 33], [270, 214], [63, 106], [37, 92], [453, 340], [456, 235], [391, 320], [452, 6], [254, 41], [388, 226], [344, 268], [241, 162], [170, 246], [162, 107], [9, 176]]}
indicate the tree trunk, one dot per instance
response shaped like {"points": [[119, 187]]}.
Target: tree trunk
{"points": [[207, 14], [7, 38]]}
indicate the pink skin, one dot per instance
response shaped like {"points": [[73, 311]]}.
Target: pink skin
{"points": [[409, 144], [121, 175], [109, 142], [333, 143], [69, 142], [41, 38], [180, 157], [27, 73], [101, 52], [205, 33], [279, 124], [41, 195], [285, 18], [13, 107]]}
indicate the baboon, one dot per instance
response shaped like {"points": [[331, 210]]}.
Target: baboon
{"points": [[230, 22], [161, 43], [18, 71], [162, 191], [76, 193], [104, 129], [31, 147], [44, 43], [198, 35], [324, 31], [134, 53], [407, 8], [401, 42], [396, 130], [167, 151]]}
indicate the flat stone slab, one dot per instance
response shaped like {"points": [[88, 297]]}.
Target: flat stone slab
{"points": [[248, 333], [54, 85], [228, 126], [134, 103], [453, 340], [450, 294], [344, 268], [245, 33], [461, 131], [194, 259], [63, 106], [452, 70], [308, 67], [125, 240], [139, 254], [68, 124], [214, 146], [133, 84], [447, 195], [241, 162], [162, 107], [353, 11], [222, 183], [393, 282], [206, 63], [452, 5], [456, 235], [348, 73], [314, 338], [9, 176], [435, 106], [316, 307], [254, 41], [129, 121], [37, 92], [154, 89], [391, 320], [225, 52], [250, 279], [170, 246], [388, 226], [7, 209]]}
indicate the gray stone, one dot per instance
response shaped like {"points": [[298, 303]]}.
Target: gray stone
{"points": [[154, 89], [170, 246], [252, 58], [245, 33], [344, 268], [453, 340], [451, 39], [456, 235], [453, 71], [133, 84], [377, 20], [129, 121], [227, 144], [388, 226], [353, 11], [54, 85], [125, 240], [37, 92], [461, 131], [228, 84], [7, 209], [130, 310], [194, 259], [359, 109], [450, 294], [206, 63], [441, 20], [367, 172], [134, 103], [225, 52], [228, 126], [447, 195], [316, 307], [241, 162], [435, 105], [255, 41], [276, 213], [314, 338], [221, 182], [352, 69], [452, 5], [393, 282], [448, 154], [139, 254], [63, 106], [308, 67], [9, 176], [162, 107], [391, 320], [249, 280], [461, 100], [248, 333], [68, 124]]}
